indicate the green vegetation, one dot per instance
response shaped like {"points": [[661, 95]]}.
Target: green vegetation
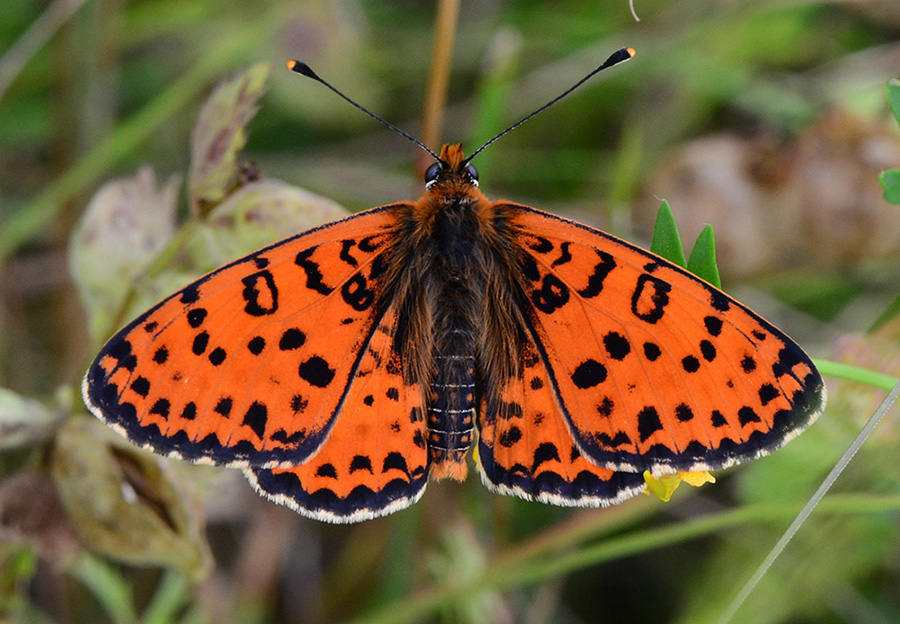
{"points": [[766, 120]]}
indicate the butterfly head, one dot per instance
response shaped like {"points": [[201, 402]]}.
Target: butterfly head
{"points": [[451, 173]]}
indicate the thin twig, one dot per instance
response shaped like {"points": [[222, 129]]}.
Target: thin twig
{"points": [[439, 76]]}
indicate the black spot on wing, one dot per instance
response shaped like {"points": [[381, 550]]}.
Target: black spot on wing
{"points": [[256, 345], [201, 341], [565, 256], [357, 294], [361, 462], [161, 408], [190, 411], [313, 274], [291, 339], [746, 415], [718, 419], [617, 346], [713, 325], [260, 294], [748, 364], [651, 351], [767, 392], [141, 385], [196, 317], [719, 300], [690, 364], [601, 270], [648, 422], [552, 295], [327, 471], [684, 413], [346, 246], [509, 437], [545, 452], [707, 350], [541, 245], [589, 373], [605, 406], [650, 298], [190, 294], [395, 461], [256, 417], [316, 372], [217, 356], [223, 407]]}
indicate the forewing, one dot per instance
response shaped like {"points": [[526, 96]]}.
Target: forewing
{"points": [[375, 458], [250, 364], [652, 367]]}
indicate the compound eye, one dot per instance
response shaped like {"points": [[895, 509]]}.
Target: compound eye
{"points": [[432, 173], [472, 171]]}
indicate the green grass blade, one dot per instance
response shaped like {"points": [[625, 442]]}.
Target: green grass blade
{"points": [[855, 373], [171, 595], [666, 241], [108, 586], [37, 215], [703, 258]]}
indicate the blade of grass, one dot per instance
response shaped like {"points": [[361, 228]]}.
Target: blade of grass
{"points": [[813, 502], [107, 586], [33, 217], [171, 595], [702, 262], [666, 240], [855, 373], [19, 53]]}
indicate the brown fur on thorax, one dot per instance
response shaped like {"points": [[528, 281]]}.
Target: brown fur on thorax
{"points": [[453, 233]]}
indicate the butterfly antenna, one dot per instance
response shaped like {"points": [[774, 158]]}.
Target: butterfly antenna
{"points": [[303, 69], [617, 57]]}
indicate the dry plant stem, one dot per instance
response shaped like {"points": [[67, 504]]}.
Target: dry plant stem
{"points": [[439, 77], [33, 39]]}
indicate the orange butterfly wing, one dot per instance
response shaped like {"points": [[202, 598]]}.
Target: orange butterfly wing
{"points": [[252, 364], [650, 367], [375, 461], [525, 448]]}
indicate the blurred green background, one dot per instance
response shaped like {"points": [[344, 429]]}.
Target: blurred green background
{"points": [[766, 119]]}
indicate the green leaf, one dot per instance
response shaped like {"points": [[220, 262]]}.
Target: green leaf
{"points": [[893, 97], [127, 222], [703, 258], [666, 242], [125, 503], [24, 422], [255, 215], [890, 180]]}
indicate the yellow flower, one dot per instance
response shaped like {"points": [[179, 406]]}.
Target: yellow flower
{"points": [[664, 486]]}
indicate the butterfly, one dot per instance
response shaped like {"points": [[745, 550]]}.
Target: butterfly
{"points": [[344, 367]]}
